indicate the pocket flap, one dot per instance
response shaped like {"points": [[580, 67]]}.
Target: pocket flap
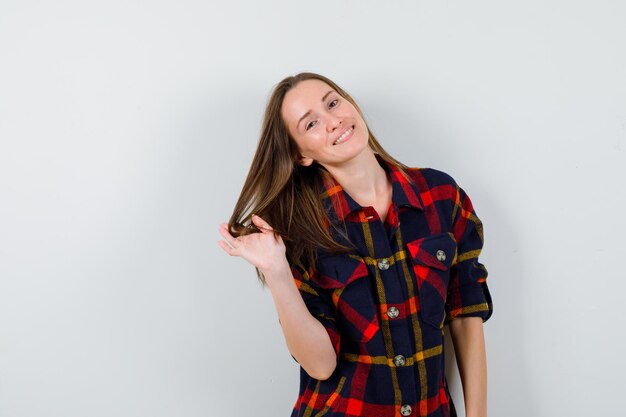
{"points": [[336, 271], [436, 251]]}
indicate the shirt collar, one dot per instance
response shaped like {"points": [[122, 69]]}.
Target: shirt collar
{"points": [[339, 204]]}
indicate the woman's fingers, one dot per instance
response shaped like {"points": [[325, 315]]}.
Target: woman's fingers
{"points": [[226, 247], [256, 248], [230, 239]]}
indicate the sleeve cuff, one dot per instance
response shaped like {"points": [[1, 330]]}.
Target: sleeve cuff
{"points": [[476, 303]]}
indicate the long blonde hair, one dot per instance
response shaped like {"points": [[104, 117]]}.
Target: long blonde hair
{"points": [[285, 193]]}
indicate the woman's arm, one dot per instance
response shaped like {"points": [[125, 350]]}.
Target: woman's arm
{"points": [[307, 339], [469, 347]]}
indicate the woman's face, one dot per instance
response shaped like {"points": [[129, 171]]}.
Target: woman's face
{"points": [[326, 127]]}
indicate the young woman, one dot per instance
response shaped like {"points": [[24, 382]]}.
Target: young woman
{"points": [[368, 261]]}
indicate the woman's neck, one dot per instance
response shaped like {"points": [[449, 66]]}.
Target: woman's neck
{"points": [[364, 179]]}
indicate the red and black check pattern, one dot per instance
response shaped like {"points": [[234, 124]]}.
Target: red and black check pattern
{"points": [[385, 305]]}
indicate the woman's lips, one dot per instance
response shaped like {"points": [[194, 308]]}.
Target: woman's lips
{"points": [[347, 138]]}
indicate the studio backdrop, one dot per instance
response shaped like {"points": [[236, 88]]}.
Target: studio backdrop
{"points": [[127, 129]]}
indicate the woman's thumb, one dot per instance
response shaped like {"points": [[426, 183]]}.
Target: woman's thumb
{"points": [[264, 226]]}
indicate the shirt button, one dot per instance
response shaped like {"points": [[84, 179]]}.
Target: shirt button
{"points": [[383, 264], [399, 361], [441, 255], [405, 410], [393, 312]]}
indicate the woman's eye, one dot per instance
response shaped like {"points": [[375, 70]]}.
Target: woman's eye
{"points": [[334, 101]]}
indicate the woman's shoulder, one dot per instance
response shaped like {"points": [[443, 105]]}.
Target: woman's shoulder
{"points": [[431, 177]]}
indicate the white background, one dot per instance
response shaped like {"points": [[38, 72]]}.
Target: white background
{"points": [[126, 132]]}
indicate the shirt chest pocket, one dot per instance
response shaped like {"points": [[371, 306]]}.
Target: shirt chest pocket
{"points": [[431, 257], [346, 278]]}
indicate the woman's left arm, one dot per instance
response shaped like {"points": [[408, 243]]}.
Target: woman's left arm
{"points": [[469, 347]]}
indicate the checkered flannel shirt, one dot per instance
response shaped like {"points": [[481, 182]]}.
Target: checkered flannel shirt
{"points": [[386, 305]]}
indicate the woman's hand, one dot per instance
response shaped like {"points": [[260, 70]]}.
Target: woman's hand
{"points": [[262, 250]]}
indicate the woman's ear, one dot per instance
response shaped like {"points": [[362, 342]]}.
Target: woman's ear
{"points": [[305, 160]]}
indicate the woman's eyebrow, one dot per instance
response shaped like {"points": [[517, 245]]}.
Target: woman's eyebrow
{"points": [[309, 111]]}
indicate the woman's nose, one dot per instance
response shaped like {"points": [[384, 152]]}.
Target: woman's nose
{"points": [[333, 123]]}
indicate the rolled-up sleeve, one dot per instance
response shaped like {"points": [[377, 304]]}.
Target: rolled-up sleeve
{"points": [[468, 293], [318, 301]]}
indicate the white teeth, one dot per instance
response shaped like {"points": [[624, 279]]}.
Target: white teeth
{"points": [[342, 137]]}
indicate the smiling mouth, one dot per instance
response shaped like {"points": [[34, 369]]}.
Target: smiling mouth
{"points": [[346, 135]]}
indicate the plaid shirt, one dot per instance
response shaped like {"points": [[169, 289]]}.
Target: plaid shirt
{"points": [[385, 306]]}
